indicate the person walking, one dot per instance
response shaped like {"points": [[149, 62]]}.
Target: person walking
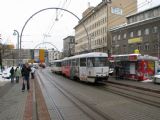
{"points": [[117, 68], [32, 72], [25, 73], [12, 74], [17, 74]]}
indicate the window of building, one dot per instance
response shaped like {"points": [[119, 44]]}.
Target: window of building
{"points": [[146, 47], [119, 37], [116, 10], [138, 18], [139, 32], [114, 37], [139, 47], [141, 16], [146, 15], [155, 12], [131, 34], [125, 35], [146, 32], [155, 29]]}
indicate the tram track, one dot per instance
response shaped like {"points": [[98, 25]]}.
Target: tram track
{"points": [[137, 95], [53, 105], [91, 111]]}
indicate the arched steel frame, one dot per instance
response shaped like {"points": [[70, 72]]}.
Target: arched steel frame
{"points": [[46, 43], [50, 9]]}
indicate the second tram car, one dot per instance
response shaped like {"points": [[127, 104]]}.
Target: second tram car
{"points": [[56, 66], [89, 67]]}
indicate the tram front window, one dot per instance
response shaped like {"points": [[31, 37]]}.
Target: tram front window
{"points": [[97, 62]]}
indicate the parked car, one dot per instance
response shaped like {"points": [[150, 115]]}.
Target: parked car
{"points": [[156, 78], [6, 73]]}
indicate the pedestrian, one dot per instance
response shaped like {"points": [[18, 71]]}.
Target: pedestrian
{"points": [[12, 75], [17, 74], [117, 72], [25, 73], [32, 72]]}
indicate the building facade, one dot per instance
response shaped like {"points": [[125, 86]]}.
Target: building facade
{"points": [[91, 33], [141, 32], [68, 46], [54, 55], [10, 57]]}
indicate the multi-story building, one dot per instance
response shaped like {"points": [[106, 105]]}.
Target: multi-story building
{"points": [[91, 33], [68, 46], [54, 55], [141, 32], [11, 57]]}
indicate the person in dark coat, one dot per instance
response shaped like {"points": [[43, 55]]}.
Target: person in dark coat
{"points": [[25, 73], [12, 75], [117, 68]]}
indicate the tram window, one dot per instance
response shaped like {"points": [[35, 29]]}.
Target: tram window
{"points": [[101, 61], [83, 62], [77, 62], [73, 62], [90, 62]]}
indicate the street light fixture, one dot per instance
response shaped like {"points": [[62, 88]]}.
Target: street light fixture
{"points": [[17, 33]]}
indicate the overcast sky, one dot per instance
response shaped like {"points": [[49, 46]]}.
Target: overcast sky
{"points": [[14, 14]]}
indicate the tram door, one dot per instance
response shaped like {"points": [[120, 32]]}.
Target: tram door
{"points": [[83, 69]]}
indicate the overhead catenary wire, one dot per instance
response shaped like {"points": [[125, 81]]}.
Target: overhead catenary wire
{"points": [[57, 16]]}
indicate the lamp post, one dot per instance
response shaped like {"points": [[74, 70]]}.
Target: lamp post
{"points": [[17, 33]]}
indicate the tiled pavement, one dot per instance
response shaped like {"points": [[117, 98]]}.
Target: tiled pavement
{"points": [[12, 103], [18, 105]]}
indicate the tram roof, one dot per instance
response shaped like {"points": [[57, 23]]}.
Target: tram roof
{"points": [[138, 57], [92, 54]]}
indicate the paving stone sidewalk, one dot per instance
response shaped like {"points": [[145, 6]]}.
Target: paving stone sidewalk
{"points": [[12, 103]]}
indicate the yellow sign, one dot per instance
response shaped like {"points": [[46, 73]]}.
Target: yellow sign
{"points": [[136, 51], [134, 40]]}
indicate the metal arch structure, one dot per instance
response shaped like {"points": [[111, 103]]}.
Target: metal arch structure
{"points": [[46, 43], [21, 34]]}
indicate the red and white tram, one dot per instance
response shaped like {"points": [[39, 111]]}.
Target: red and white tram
{"points": [[89, 67], [136, 66], [56, 66]]}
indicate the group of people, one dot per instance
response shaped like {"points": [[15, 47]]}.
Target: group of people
{"points": [[25, 73]]}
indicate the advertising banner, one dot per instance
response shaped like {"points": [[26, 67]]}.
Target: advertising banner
{"points": [[42, 55], [36, 55]]}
